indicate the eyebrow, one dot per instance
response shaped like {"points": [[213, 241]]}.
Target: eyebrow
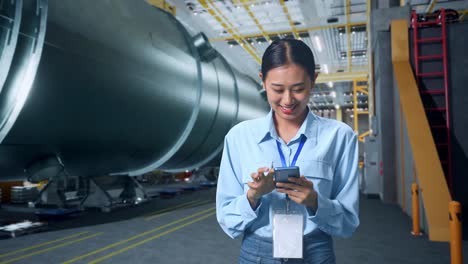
{"points": [[280, 85]]}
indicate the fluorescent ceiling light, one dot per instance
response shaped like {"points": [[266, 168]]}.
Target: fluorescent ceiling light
{"points": [[318, 43], [325, 68]]}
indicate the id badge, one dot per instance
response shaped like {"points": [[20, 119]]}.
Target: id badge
{"points": [[287, 235]]}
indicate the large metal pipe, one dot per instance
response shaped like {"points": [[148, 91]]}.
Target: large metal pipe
{"points": [[121, 93]]}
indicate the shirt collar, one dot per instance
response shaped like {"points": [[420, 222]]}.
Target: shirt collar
{"points": [[308, 128]]}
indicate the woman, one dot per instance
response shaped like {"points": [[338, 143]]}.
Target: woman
{"points": [[325, 150]]}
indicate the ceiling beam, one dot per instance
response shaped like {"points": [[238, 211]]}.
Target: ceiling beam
{"points": [[291, 23], [341, 77], [462, 15], [431, 6], [247, 8], [217, 14], [348, 33], [300, 30]]}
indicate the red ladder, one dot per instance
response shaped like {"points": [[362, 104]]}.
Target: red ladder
{"points": [[430, 94]]}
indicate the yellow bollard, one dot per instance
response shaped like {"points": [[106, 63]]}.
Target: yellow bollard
{"points": [[415, 201], [455, 232]]}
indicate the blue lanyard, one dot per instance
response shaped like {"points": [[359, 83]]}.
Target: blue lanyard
{"points": [[283, 160]]}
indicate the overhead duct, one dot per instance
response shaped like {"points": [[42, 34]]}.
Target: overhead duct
{"points": [[124, 93]]}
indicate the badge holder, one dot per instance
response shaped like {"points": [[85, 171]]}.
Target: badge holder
{"points": [[288, 225], [288, 229]]}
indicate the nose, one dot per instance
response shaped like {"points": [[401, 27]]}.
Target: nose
{"points": [[287, 97]]}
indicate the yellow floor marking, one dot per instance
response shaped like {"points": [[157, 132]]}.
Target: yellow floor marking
{"points": [[170, 209], [135, 237], [49, 249], [43, 244], [150, 239], [183, 207]]}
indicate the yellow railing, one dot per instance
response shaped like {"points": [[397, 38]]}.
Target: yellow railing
{"points": [[363, 89], [363, 135]]}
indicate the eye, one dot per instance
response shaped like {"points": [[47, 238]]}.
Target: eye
{"points": [[298, 90], [276, 90]]}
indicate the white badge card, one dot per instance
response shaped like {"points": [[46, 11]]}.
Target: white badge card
{"points": [[287, 235]]}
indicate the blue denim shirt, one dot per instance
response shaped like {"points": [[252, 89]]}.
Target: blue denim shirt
{"points": [[329, 159]]}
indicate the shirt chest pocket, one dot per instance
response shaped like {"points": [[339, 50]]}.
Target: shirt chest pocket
{"points": [[320, 173]]}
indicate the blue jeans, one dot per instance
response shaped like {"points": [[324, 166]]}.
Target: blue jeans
{"points": [[317, 250]]}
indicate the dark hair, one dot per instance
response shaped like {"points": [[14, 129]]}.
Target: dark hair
{"points": [[288, 51]]}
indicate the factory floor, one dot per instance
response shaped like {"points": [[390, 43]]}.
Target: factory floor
{"points": [[183, 229]]}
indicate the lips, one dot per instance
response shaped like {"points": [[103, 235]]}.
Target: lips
{"points": [[287, 109]]}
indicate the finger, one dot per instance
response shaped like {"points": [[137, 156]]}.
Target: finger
{"points": [[263, 171], [271, 172], [292, 193], [296, 199], [296, 195], [282, 190], [306, 182], [297, 191], [288, 185], [303, 182], [295, 180], [255, 177], [252, 185]]}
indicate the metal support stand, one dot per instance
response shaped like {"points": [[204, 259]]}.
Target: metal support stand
{"points": [[51, 194], [109, 192]]}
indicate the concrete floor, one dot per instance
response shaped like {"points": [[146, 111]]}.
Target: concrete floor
{"points": [[179, 230], [184, 230]]}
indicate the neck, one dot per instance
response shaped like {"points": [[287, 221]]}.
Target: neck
{"points": [[287, 129]]}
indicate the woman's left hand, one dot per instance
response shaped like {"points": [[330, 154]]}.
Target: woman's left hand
{"points": [[300, 190]]}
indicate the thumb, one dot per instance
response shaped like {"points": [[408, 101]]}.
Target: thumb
{"points": [[306, 182]]}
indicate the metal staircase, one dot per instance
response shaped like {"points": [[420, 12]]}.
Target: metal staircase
{"points": [[431, 72]]}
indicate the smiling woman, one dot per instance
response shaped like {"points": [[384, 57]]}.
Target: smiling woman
{"points": [[324, 199], [288, 91], [288, 74]]}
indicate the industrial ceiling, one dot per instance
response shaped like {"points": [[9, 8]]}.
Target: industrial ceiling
{"points": [[335, 30]]}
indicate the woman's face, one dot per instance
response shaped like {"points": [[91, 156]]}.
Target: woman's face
{"points": [[288, 89]]}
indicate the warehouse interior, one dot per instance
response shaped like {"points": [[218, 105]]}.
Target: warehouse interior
{"points": [[113, 116]]}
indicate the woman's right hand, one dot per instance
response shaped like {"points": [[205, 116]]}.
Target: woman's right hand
{"points": [[262, 184]]}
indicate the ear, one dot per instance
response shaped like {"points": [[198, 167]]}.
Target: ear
{"points": [[260, 75], [313, 80]]}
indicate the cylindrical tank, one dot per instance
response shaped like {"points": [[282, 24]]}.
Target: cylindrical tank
{"points": [[122, 93]]}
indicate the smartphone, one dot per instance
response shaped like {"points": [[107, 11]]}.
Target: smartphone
{"points": [[282, 173]]}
